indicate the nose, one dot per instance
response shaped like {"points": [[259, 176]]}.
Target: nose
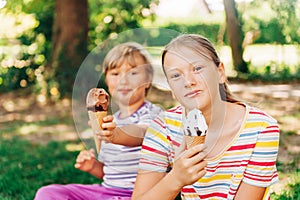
{"points": [[189, 80], [124, 79]]}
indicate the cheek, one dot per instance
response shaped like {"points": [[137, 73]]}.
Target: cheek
{"points": [[177, 89], [139, 81], [111, 85]]}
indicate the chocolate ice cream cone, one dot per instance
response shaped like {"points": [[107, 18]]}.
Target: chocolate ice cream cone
{"points": [[97, 104]]}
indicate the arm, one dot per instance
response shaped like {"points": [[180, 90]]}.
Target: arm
{"points": [[87, 162], [130, 135], [249, 192], [261, 170], [188, 168], [154, 185]]}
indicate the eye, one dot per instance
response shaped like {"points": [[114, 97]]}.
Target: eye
{"points": [[174, 75], [197, 68], [114, 73], [133, 72]]}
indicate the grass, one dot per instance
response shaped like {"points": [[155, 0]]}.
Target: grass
{"points": [[25, 167]]}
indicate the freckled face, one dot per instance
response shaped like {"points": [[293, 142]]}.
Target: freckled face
{"points": [[193, 79]]}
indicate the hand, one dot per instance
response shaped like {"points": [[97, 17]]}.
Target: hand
{"points": [[108, 129], [86, 160], [189, 166]]}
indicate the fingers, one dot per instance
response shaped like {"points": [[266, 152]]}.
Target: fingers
{"points": [[192, 160], [108, 125], [85, 160], [196, 150], [108, 118], [85, 155], [198, 168], [92, 152]]}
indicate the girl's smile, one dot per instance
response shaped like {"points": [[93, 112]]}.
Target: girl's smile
{"points": [[193, 93]]}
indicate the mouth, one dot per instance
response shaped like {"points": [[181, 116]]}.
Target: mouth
{"points": [[124, 90], [193, 93]]}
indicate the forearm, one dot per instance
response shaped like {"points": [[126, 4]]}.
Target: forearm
{"points": [[131, 135], [166, 187], [97, 170]]}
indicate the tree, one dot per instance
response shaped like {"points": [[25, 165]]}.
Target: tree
{"points": [[235, 37], [69, 42], [71, 27], [64, 31]]}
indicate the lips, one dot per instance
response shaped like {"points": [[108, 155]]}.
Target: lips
{"points": [[193, 93], [124, 90]]}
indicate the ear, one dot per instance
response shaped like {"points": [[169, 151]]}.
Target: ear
{"points": [[221, 72], [148, 85]]}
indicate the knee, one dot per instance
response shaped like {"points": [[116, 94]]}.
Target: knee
{"points": [[47, 192]]}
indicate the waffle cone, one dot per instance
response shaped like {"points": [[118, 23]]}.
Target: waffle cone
{"points": [[194, 140], [96, 122]]}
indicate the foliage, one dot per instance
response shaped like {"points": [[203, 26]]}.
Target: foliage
{"points": [[108, 18], [271, 73], [287, 19], [271, 32], [275, 20], [202, 29], [292, 192], [34, 42]]}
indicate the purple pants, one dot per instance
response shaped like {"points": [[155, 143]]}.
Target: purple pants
{"points": [[81, 192]]}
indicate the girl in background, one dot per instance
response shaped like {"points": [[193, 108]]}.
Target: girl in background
{"points": [[128, 74]]}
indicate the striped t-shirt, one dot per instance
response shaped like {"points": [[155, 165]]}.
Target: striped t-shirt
{"points": [[121, 162], [250, 157]]}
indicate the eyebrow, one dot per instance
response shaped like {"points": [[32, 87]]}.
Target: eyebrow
{"points": [[171, 69]]}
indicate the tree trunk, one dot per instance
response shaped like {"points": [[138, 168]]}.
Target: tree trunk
{"points": [[235, 36], [70, 35]]}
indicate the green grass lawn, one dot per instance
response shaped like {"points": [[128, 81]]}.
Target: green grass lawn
{"points": [[25, 167]]}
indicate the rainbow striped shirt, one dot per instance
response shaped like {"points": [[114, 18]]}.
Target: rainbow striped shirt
{"points": [[251, 156]]}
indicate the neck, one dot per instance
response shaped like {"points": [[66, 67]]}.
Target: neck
{"points": [[215, 116], [127, 110]]}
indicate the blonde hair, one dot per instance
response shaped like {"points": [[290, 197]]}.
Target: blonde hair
{"points": [[203, 47], [128, 53]]}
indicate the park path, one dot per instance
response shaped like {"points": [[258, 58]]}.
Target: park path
{"points": [[280, 91]]}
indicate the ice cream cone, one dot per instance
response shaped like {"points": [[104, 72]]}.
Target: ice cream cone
{"points": [[97, 102], [96, 122], [194, 140]]}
